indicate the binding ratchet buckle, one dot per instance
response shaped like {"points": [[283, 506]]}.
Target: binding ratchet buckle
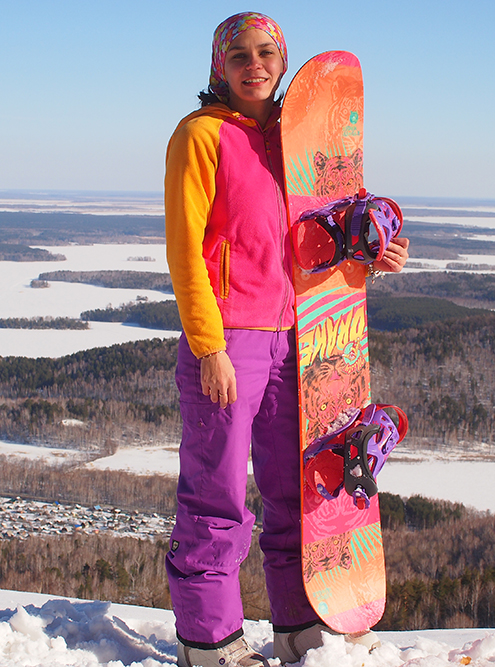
{"points": [[351, 456]]}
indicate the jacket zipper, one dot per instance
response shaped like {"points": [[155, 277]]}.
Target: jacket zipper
{"points": [[281, 218]]}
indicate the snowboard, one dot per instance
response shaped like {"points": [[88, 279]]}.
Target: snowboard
{"points": [[322, 144]]}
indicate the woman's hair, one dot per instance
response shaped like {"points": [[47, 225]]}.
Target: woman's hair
{"points": [[207, 97]]}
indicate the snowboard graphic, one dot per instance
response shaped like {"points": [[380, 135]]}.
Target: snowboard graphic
{"points": [[322, 141]]}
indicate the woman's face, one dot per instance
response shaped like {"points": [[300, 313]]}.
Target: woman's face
{"points": [[253, 69]]}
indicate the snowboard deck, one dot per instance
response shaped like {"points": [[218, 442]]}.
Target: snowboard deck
{"points": [[322, 143]]}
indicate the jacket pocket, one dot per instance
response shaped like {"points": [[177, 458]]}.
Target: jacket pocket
{"points": [[224, 269]]}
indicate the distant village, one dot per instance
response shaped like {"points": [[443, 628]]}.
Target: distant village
{"points": [[22, 518]]}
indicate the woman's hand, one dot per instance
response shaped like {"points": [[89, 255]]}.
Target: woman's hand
{"points": [[395, 256], [218, 379]]}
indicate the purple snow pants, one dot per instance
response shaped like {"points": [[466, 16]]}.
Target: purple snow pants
{"points": [[213, 530]]}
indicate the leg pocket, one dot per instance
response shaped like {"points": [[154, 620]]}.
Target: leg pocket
{"points": [[209, 543]]}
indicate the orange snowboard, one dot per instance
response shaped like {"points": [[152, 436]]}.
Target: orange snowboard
{"points": [[322, 140]]}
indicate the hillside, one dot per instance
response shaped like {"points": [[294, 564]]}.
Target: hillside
{"points": [[470, 289], [441, 373], [156, 315], [443, 376], [124, 393]]}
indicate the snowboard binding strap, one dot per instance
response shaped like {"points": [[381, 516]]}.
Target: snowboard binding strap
{"points": [[351, 456], [346, 225], [387, 219]]}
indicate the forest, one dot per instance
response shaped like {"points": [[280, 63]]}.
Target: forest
{"points": [[469, 289], [17, 252], [442, 373], [155, 315], [121, 279], [42, 323], [432, 352], [123, 393]]}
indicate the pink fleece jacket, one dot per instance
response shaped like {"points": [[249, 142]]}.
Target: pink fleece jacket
{"points": [[228, 247]]}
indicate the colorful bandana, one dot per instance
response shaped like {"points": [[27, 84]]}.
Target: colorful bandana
{"points": [[225, 34]]}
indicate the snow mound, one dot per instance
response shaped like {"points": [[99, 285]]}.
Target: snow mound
{"points": [[44, 631]]}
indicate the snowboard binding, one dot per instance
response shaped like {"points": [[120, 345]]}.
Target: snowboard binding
{"points": [[353, 453], [325, 237]]}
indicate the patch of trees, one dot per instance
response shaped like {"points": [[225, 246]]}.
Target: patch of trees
{"points": [[468, 287], [66, 228], [119, 279], [42, 323], [443, 376], [441, 576], [124, 393], [121, 569], [440, 571], [68, 483], [151, 493], [155, 315], [390, 313], [417, 512], [17, 252]]}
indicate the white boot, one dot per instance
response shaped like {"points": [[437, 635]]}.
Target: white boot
{"points": [[368, 639], [291, 646], [236, 654]]}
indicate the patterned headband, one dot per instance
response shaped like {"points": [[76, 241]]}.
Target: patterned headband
{"points": [[225, 34]]}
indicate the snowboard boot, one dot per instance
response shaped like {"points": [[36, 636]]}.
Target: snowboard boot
{"points": [[236, 654], [368, 639], [290, 647]]}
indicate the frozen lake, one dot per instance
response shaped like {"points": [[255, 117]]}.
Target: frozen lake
{"points": [[18, 299]]}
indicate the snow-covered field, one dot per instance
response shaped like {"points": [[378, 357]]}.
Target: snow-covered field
{"points": [[47, 631], [96, 203], [18, 299]]}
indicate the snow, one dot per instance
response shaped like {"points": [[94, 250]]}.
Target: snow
{"points": [[96, 203], [469, 483], [49, 631], [70, 299], [57, 342], [487, 222], [147, 460], [443, 264], [444, 475], [52, 456], [61, 299]]}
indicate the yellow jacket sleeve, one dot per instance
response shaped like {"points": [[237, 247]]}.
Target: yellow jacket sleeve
{"points": [[191, 164]]}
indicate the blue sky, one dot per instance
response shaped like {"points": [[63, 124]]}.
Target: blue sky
{"points": [[90, 90]]}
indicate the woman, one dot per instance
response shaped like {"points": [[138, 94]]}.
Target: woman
{"points": [[230, 260]]}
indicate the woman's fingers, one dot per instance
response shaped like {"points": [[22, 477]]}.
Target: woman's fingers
{"points": [[218, 379], [395, 256]]}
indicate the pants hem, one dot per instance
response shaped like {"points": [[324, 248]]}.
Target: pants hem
{"points": [[206, 646]]}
